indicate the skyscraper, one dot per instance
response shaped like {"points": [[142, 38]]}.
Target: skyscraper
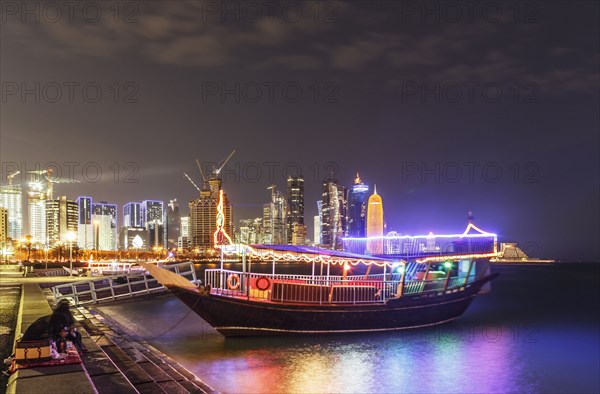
{"points": [[317, 230], [11, 199], [375, 224], [61, 219], [357, 209], [274, 218], [85, 230], [36, 212], [295, 206], [333, 214], [203, 215], [173, 225], [184, 234], [104, 220], [132, 216], [151, 210]]}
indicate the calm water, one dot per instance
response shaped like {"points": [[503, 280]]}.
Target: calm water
{"points": [[537, 331]]}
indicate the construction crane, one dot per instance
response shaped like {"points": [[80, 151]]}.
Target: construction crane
{"points": [[50, 179], [190, 179], [10, 177], [218, 171]]}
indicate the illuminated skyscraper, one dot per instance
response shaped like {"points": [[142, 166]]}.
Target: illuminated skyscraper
{"points": [[184, 234], [317, 230], [295, 206], [11, 199], [173, 225], [85, 230], [151, 210], [274, 218], [61, 219], [132, 216], [104, 221], [36, 212], [375, 224], [333, 214], [357, 209], [203, 216]]}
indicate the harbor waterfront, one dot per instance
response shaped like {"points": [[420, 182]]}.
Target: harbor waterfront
{"points": [[532, 333]]}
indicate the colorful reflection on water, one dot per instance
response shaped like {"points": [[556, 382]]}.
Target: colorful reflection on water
{"points": [[509, 341]]}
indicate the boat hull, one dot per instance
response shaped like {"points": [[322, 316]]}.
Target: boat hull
{"points": [[234, 317]]}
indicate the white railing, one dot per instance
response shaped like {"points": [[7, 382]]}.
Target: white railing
{"points": [[117, 287], [320, 289]]}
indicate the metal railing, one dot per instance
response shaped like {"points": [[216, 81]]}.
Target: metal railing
{"points": [[320, 289], [116, 287]]}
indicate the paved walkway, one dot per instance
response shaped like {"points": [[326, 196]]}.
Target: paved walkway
{"points": [[114, 362], [64, 378]]}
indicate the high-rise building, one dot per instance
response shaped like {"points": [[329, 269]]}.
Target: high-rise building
{"points": [[85, 230], [132, 216], [357, 209], [151, 210], [156, 234], [11, 199], [203, 216], [184, 234], [173, 225], [274, 218], [61, 219], [333, 214], [36, 212], [375, 224], [295, 205], [104, 221], [317, 230], [3, 224]]}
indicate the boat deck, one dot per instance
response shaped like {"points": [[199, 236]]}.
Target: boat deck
{"points": [[303, 289]]}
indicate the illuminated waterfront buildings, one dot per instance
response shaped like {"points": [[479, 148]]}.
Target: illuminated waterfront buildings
{"points": [[11, 199], [295, 209], [333, 214], [104, 221], [61, 219], [375, 224], [357, 209]]}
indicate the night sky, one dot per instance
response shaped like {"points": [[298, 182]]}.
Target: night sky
{"points": [[446, 109]]}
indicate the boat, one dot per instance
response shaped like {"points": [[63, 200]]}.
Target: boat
{"points": [[510, 253], [113, 268], [344, 292]]}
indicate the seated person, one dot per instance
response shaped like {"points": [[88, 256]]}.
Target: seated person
{"points": [[61, 318]]}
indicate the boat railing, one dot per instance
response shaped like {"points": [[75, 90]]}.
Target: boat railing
{"points": [[321, 289]]}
